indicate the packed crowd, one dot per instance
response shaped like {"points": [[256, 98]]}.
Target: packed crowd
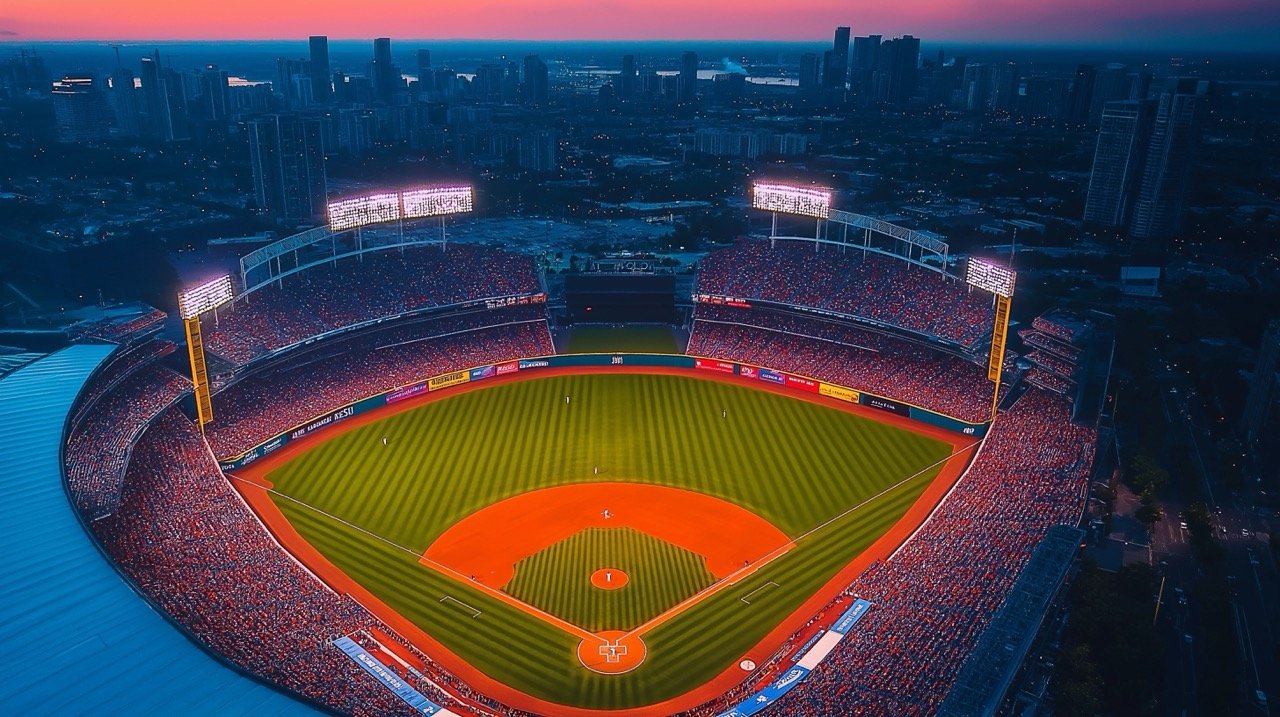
{"points": [[189, 542], [872, 286], [1048, 381], [1051, 362], [878, 364], [122, 331], [272, 401], [1059, 325], [99, 444], [1043, 341], [121, 365], [358, 290], [937, 594]]}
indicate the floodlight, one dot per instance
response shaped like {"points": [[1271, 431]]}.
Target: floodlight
{"points": [[206, 297], [991, 277], [436, 201], [788, 199], [359, 212]]}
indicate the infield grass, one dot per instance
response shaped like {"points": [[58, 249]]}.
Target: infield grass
{"points": [[797, 464], [660, 575]]}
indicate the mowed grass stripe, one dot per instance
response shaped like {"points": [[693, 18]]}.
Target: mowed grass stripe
{"points": [[794, 463], [660, 575]]}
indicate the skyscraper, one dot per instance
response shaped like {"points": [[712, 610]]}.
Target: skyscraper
{"points": [[627, 80], [321, 90], [122, 97], [866, 52], [1166, 173], [426, 79], [157, 121], [810, 70], [687, 87], [1117, 162], [535, 89], [1262, 387], [287, 154], [384, 72], [80, 109], [835, 63], [899, 59], [1081, 94]]}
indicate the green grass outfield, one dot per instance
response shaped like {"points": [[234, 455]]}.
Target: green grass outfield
{"points": [[623, 339], [795, 463]]}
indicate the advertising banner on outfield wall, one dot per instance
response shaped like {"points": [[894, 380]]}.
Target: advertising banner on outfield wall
{"points": [[713, 365], [840, 392], [509, 367], [885, 404], [446, 380], [410, 391], [772, 376], [800, 383], [746, 371], [483, 372], [526, 364]]}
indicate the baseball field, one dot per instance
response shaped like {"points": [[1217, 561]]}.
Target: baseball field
{"points": [[602, 540]]}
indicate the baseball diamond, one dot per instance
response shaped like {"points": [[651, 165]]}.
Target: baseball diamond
{"points": [[507, 498]]}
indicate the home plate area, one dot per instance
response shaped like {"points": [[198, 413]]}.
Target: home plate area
{"points": [[612, 652]]}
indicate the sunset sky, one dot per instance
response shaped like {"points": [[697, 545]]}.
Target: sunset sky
{"points": [[1195, 24]]}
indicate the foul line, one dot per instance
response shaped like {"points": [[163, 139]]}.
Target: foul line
{"points": [[736, 576], [439, 567], [753, 592], [464, 605], [727, 581]]}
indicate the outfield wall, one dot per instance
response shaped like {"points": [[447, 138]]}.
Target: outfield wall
{"points": [[746, 372]]}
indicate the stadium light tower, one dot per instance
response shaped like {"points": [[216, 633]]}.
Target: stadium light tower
{"points": [[421, 203], [790, 199], [191, 304], [999, 280]]}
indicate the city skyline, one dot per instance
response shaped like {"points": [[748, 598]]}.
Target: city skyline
{"points": [[1239, 25]]}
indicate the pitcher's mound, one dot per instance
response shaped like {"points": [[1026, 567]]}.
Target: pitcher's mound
{"points": [[609, 578]]}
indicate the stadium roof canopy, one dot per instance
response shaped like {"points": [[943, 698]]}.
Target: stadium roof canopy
{"points": [[75, 638]]}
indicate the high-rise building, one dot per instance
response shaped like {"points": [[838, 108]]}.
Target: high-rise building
{"points": [[385, 77], [1110, 85], [1082, 86], [900, 58], [321, 75], [1262, 386], [810, 70], [536, 151], [80, 109], [535, 87], [426, 79], [287, 154], [1117, 162], [627, 80], [157, 119], [687, 87], [866, 52], [214, 96], [1166, 173], [835, 62], [293, 83], [122, 97]]}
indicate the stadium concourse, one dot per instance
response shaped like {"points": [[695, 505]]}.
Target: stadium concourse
{"points": [[148, 487]]}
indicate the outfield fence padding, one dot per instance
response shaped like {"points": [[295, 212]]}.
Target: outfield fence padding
{"points": [[747, 372]]}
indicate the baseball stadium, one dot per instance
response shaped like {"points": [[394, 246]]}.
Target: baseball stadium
{"points": [[401, 473]]}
